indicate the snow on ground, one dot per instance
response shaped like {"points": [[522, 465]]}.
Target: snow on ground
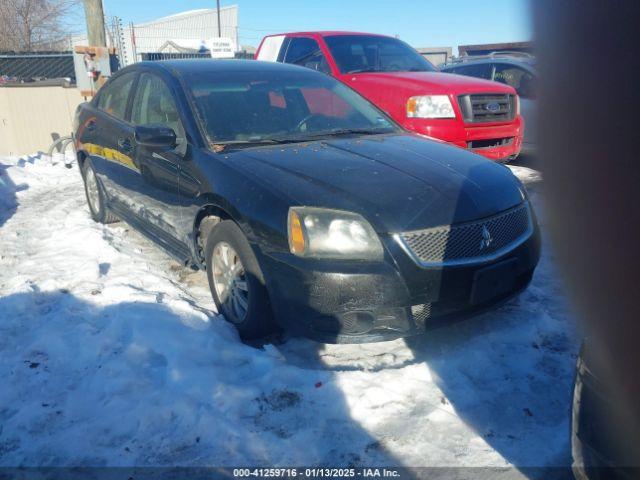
{"points": [[112, 354]]}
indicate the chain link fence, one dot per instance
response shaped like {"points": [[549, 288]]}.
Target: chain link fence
{"points": [[157, 56], [22, 67]]}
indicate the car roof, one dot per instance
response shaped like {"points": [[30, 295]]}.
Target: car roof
{"points": [[330, 33], [527, 63], [206, 65]]}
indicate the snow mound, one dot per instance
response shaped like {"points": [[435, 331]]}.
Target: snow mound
{"points": [[113, 354]]}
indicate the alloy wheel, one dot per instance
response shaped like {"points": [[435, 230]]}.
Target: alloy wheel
{"points": [[230, 282], [93, 193]]}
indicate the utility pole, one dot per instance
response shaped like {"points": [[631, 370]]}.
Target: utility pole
{"points": [[219, 26], [95, 23]]}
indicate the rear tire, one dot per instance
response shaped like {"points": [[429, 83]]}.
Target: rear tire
{"points": [[96, 198], [236, 282]]}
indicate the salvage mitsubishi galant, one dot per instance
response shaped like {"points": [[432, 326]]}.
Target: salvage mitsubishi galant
{"points": [[308, 207]]}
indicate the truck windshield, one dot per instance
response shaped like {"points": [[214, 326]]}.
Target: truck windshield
{"points": [[280, 105], [370, 53]]}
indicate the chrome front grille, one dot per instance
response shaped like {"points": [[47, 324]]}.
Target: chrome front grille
{"points": [[469, 242], [485, 107]]}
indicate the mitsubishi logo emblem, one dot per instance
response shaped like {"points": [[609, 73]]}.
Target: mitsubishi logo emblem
{"points": [[486, 238]]}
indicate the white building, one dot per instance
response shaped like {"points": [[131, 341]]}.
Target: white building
{"points": [[191, 27]]}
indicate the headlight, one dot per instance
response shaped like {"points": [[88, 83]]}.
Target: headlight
{"points": [[324, 233], [430, 106], [517, 104]]}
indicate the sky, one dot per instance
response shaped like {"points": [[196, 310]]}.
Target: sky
{"points": [[421, 23]]}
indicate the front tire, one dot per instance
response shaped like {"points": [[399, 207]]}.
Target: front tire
{"points": [[95, 195], [236, 282]]}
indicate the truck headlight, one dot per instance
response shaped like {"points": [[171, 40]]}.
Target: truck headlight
{"points": [[430, 106], [325, 233]]}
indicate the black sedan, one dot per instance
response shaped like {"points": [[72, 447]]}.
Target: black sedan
{"points": [[306, 205]]}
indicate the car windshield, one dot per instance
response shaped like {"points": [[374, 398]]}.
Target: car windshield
{"points": [[370, 53], [273, 105]]}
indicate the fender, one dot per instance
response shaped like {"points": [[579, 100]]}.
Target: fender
{"points": [[212, 205]]}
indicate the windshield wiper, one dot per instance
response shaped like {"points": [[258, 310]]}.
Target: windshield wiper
{"points": [[220, 146], [354, 131]]}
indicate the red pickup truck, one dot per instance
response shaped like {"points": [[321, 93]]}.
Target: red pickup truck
{"points": [[471, 113]]}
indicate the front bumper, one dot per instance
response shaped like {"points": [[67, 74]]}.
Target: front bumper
{"points": [[357, 302], [499, 142]]}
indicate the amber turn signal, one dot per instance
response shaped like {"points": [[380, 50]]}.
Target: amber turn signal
{"points": [[296, 236], [412, 106]]}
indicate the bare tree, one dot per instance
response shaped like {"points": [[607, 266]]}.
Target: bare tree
{"points": [[35, 25]]}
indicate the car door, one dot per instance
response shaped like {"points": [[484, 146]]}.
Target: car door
{"points": [[524, 83], [104, 134], [154, 196]]}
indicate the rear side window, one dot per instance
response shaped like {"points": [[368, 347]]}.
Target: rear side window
{"points": [[516, 77], [306, 52], [479, 70], [154, 103], [114, 95], [300, 49]]}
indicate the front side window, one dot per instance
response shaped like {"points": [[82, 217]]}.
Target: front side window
{"points": [[245, 107], [306, 52], [516, 77], [114, 95], [154, 103], [370, 53]]}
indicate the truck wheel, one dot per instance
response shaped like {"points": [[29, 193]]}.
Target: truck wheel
{"points": [[95, 195], [237, 283]]}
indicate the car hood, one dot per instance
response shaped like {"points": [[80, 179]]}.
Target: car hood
{"points": [[433, 83], [398, 182]]}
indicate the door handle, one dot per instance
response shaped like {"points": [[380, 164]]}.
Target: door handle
{"points": [[91, 125], [125, 144]]}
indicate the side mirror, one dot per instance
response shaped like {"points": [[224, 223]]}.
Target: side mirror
{"points": [[155, 135]]}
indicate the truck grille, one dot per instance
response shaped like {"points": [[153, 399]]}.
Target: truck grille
{"points": [[469, 242], [484, 108]]}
